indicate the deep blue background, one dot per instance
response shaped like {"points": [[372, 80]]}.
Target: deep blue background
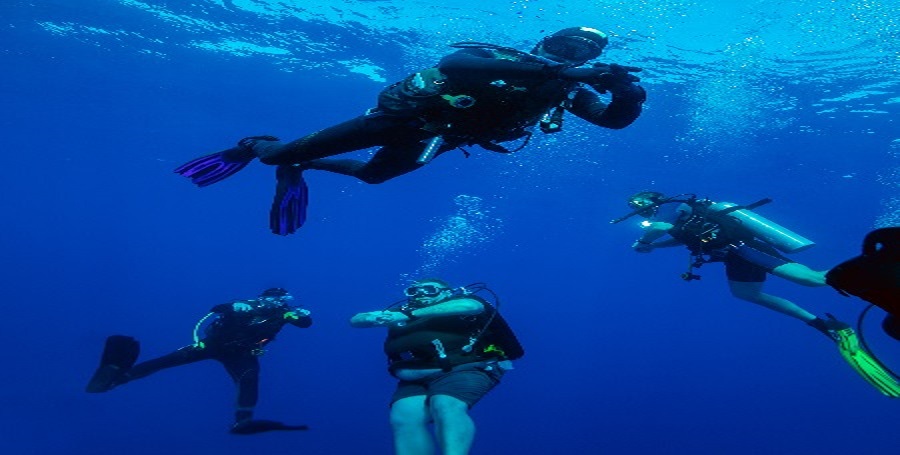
{"points": [[101, 237]]}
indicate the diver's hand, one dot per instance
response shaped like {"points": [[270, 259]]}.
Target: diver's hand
{"points": [[386, 317], [614, 78], [378, 319], [296, 314], [641, 246], [241, 306]]}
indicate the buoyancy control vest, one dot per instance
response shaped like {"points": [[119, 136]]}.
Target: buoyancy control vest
{"points": [[475, 108], [250, 329], [715, 225], [444, 342], [704, 229]]}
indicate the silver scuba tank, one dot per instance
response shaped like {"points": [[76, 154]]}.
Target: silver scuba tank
{"points": [[764, 229]]}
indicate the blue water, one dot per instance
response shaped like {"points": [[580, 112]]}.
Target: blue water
{"points": [[103, 98]]}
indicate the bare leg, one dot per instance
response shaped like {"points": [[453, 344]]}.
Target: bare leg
{"points": [[453, 427], [800, 274], [752, 292], [409, 421]]}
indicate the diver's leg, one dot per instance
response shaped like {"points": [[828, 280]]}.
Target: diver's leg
{"points": [[409, 423], [389, 162], [800, 274], [749, 288], [454, 428], [243, 367], [453, 394], [365, 131], [745, 280], [752, 292], [183, 356], [770, 260]]}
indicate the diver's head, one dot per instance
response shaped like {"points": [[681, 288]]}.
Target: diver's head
{"points": [[276, 294], [427, 292], [573, 45], [891, 326], [647, 199]]}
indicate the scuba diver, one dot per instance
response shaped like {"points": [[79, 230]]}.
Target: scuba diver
{"points": [[873, 276], [447, 348], [482, 94], [750, 246], [236, 338]]}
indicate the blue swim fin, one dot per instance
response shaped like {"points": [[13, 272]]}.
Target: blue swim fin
{"points": [[209, 169], [288, 212], [213, 168]]}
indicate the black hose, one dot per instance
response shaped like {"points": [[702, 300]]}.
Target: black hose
{"points": [[862, 342]]}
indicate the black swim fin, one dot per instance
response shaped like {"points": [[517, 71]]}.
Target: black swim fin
{"points": [[261, 426], [288, 212], [118, 357]]}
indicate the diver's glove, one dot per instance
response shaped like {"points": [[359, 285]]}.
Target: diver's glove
{"points": [[296, 314], [829, 327], [614, 78], [241, 306], [244, 150]]}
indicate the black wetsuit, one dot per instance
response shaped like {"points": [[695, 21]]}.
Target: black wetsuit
{"points": [[510, 95], [235, 339], [874, 276]]}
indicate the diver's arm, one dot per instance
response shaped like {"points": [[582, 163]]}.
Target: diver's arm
{"points": [[298, 317], [667, 243], [375, 319], [483, 64], [654, 231], [455, 307], [623, 110]]}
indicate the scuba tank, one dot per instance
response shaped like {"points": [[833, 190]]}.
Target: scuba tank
{"points": [[764, 229]]}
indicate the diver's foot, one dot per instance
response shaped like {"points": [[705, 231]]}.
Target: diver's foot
{"points": [[829, 327], [246, 144], [251, 144]]}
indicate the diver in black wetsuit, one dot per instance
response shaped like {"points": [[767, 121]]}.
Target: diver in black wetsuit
{"points": [[236, 338], [874, 276], [482, 94]]}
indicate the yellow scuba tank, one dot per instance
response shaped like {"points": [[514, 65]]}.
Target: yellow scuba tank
{"points": [[766, 230]]}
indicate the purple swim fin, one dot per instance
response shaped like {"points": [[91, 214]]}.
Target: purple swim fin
{"points": [[209, 169], [288, 212]]}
